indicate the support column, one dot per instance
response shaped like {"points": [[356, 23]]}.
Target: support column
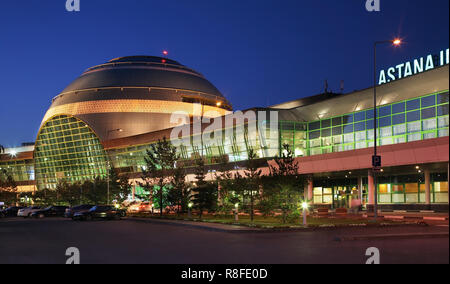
{"points": [[310, 189], [134, 191], [427, 187], [371, 192]]}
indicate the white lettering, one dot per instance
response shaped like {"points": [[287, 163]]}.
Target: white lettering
{"points": [[430, 63], [382, 78], [418, 66], [408, 69], [414, 67], [391, 74], [447, 56], [399, 68]]}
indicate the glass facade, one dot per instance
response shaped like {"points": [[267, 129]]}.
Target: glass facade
{"points": [[21, 170], [411, 120], [66, 148], [391, 190], [417, 119], [233, 148]]}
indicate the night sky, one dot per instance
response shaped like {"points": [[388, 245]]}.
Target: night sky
{"points": [[257, 52]]}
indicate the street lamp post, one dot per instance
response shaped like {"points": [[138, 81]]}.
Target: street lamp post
{"points": [[109, 164], [376, 160], [236, 212], [305, 209]]}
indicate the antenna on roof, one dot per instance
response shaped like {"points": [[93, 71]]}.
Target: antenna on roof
{"points": [[326, 86], [342, 86]]}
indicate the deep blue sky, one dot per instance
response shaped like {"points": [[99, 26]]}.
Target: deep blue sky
{"points": [[256, 52]]}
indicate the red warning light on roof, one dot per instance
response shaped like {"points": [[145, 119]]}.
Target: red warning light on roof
{"points": [[165, 52]]}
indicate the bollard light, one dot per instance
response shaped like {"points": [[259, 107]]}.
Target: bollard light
{"points": [[305, 209], [305, 205], [189, 209]]}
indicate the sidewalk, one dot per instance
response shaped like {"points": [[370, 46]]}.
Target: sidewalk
{"points": [[402, 215]]}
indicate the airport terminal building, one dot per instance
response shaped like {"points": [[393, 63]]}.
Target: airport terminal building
{"points": [[112, 113]]}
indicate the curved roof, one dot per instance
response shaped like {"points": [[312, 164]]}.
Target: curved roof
{"points": [[143, 71]]}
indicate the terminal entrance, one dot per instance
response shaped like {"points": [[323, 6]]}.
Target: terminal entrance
{"points": [[338, 196]]}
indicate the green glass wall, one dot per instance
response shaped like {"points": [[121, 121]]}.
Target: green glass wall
{"points": [[21, 170], [67, 149], [411, 120], [131, 159]]}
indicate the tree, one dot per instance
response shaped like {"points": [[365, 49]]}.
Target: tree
{"points": [[205, 197], [8, 188], [285, 188], [157, 175], [68, 193], [252, 175], [120, 187], [45, 197], [179, 194], [227, 186], [200, 171], [95, 191]]}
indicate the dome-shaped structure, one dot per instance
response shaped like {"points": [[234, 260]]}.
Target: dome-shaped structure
{"points": [[136, 94]]}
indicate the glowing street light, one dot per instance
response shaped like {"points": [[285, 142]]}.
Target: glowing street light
{"points": [[189, 209], [305, 209], [397, 42], [236, 212]]}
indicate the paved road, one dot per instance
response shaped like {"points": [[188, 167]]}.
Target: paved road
{"points": [[126, 241]]}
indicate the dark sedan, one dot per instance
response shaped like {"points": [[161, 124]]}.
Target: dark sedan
{"points": [[76, 209], [10, 212], [99, 212], [52, 211]]}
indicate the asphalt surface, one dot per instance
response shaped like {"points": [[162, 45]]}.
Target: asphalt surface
{"points": [[44, 241]]}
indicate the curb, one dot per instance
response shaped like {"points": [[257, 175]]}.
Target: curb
{"points": [[243, 230], [401, 217], [394, 236], [198, 226]]}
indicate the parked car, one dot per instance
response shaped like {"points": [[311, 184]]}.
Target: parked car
{"points": [[144, 207], [10, 212], [99, 212], [71, 211], [52, 211], [26, 212]]}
